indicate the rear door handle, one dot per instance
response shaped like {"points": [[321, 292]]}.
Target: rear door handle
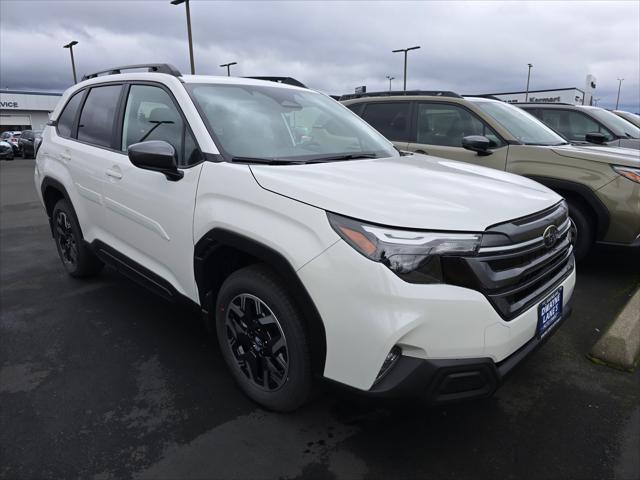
{"points": [[114, 173]]}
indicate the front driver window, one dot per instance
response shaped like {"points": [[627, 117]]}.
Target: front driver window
{"points": [[573, 125], [447, 125], [152, 115]]}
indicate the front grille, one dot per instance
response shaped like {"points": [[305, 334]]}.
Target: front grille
{"points": [[515, 269]]}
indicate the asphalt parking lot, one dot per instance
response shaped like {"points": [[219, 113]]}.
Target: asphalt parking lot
{"points": [[100, 379]]}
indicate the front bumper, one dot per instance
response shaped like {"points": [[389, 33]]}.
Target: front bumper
{"points": [[439, 382]]}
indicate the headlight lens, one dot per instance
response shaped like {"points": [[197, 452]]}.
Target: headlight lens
{"points": [[631, 173], [412, 255]]}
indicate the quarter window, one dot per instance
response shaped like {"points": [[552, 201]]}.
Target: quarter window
{"points": [[391, 119], [98, 115], [152, 115], [447, 125], [68, 115]]}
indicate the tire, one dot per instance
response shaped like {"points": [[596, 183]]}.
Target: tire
{"points": [[76, 257], [584, 229], [249, 345]]}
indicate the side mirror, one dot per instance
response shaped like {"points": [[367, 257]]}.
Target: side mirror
{"points": [[596, 137], [478, 144], [155, 155]]}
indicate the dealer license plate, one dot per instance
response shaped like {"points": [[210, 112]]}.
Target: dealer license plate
{"points": [[549, 312]]}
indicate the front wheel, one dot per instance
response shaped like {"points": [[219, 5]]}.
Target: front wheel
{"points": [[263, 340], [584, 230]]}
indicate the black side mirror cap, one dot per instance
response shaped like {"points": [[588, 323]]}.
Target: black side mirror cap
{"points": [[478, 144], [596, 137], [157, 156]]}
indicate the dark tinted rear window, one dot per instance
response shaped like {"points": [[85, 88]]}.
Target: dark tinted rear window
{"points": [[98, 116], [65, 121], [390, 119]]}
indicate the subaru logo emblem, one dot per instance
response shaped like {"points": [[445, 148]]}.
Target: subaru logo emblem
{"points": [[550, 236]]}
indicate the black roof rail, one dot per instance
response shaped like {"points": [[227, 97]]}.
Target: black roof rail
{"points": [[285, 80], [544, 103], [485, 95], [430, 93], [151, 67]]}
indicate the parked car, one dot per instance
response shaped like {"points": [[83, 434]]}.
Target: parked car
{"points": [[600, 184], [628, 116], [580, 123], [311, 245], [27, 142], [12, 137], [6, 150]]}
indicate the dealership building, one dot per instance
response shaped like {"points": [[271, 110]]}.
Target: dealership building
{"points": [[572, 95], [26, 110]]}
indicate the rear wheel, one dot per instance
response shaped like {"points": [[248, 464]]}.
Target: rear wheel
{"points": [[76, 257], [584, 229], [263, 339]]}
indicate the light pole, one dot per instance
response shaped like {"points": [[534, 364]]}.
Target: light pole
{"points": [[405, 50], [73, 63], [595, 101], [526, 95], [619, 86], [228, 65], [186, 3], [390, 78]]}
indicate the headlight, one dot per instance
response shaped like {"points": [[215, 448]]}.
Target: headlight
{"points": [[412, 255], [631, 173]]}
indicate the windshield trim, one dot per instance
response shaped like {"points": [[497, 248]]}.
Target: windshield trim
{"points": [[294, 160]]}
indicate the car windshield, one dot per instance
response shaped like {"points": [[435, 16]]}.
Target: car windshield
{"points": [[285, 124], [620, 126], [523, 126]]}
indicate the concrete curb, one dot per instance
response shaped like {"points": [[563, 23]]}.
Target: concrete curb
{"points": [[619, 347]]}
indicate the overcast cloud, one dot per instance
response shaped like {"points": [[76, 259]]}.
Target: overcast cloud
{"points": [[468, 47]]}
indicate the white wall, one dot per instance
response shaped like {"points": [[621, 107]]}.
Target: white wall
{"points": [[573, 96], [25, 101]]}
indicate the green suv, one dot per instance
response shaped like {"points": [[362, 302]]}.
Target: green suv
{"points": [[601, 184]]}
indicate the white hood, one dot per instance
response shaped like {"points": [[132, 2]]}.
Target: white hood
{"points": [[415, 191]]}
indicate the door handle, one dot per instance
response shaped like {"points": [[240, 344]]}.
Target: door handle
{"points": [[65, 156], [114, 174]]}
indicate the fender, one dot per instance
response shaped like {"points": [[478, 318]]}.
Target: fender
{"points": [[584, 193], [221, 251]]}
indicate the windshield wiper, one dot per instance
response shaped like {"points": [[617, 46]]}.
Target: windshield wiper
{"points": [[346, 156], [265, 161]]}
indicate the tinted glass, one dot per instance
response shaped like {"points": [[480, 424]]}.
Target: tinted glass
{"points": [[571, 124], [152, 115], [447, 125], [284, 123], [523, 126], [98, 115], [389, 118], [619, 125], [65, 120]]}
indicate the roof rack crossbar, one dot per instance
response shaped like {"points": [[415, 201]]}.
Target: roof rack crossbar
{"points": [[285, 80], [432, 93], [151, 67]]}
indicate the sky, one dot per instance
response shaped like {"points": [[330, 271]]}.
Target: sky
{"points": [[467, 47]]}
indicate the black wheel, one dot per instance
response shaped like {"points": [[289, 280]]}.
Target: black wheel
{"points": [[584, 229], [263, 339], [76, 257]]}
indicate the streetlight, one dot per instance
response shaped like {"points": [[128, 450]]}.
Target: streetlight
{"points": [[595, 101], [526, 95], [390, 78], [228, 65], [186, 3], [73, 63], [405, 50], [619, 86]]}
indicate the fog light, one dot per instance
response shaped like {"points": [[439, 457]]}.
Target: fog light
{"points": [[389, 362]]}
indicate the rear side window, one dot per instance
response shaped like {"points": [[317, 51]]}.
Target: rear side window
{"points": [[391, 119], [97, 119], [65, 120]]}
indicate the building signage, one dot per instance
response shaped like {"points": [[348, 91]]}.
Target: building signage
{"points": [[7, 104]]}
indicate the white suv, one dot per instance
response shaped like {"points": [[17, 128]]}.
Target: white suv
{"points": [[312, 246]]}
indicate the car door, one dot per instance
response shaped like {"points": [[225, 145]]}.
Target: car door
{"points": [[440, 128], [149, 217], [391, 119]]}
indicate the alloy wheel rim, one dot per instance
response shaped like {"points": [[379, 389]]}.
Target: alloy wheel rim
{"points": [[257, 342], [66, 239]]}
